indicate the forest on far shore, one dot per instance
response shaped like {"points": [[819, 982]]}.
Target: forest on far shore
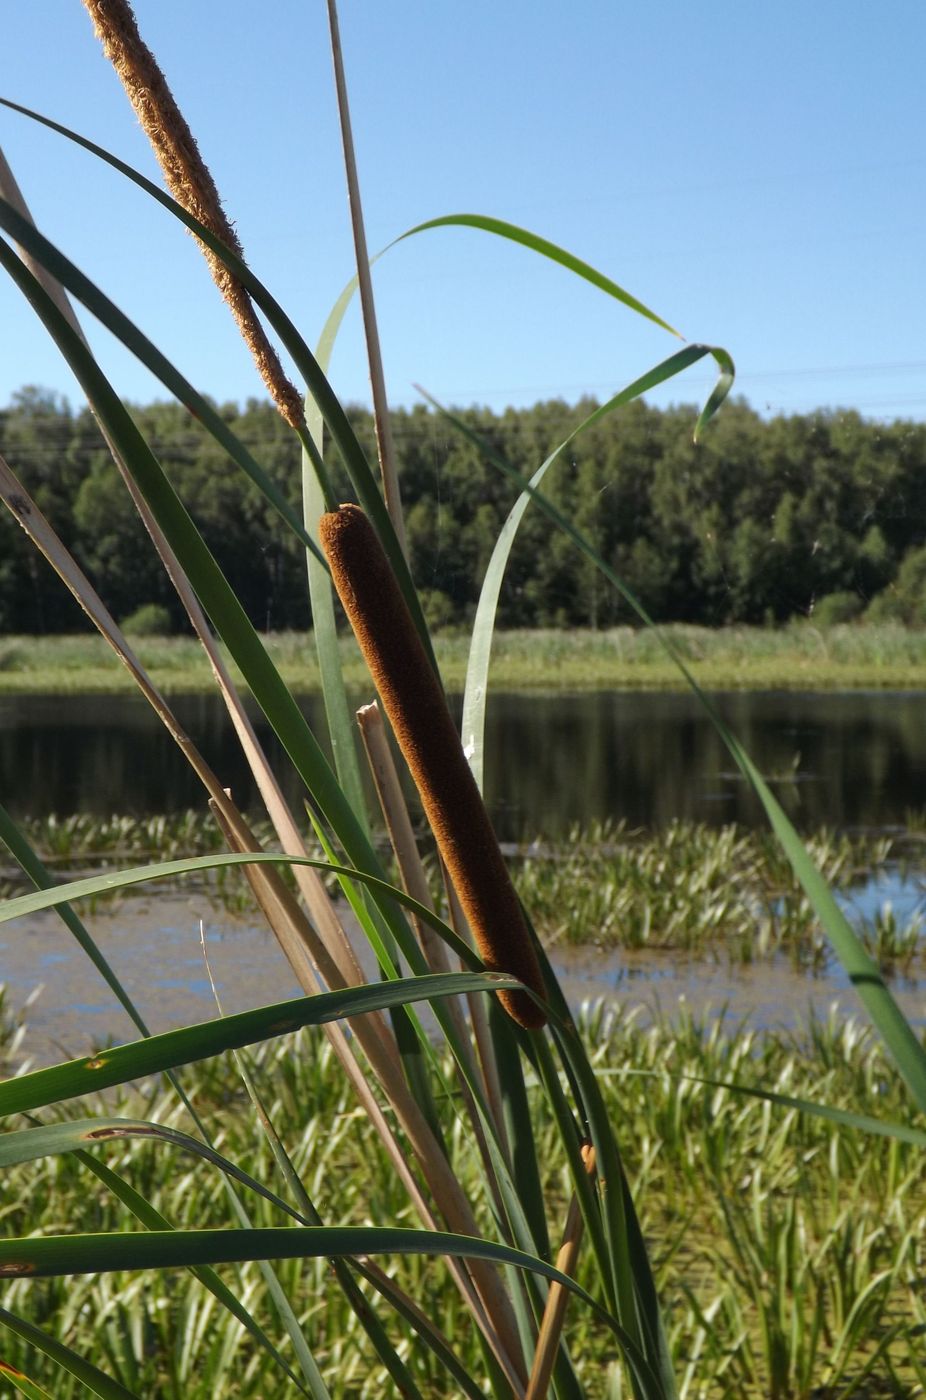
{"points": [[820, 515]]}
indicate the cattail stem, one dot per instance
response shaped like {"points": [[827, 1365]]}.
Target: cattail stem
{"points": [[414, 702]]}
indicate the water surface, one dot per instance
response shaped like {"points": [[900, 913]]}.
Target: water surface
{"points": [[855, 760]]}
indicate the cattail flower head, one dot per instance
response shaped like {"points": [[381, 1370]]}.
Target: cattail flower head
{"points": [[423, 726], [189, 180]]}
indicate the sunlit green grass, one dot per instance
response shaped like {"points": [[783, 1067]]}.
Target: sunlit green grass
{"points": [[799, 657], [786, 1248]]}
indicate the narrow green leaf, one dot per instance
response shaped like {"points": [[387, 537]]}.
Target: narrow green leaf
{"points": [[53, 1139], [96, 1381], [21, 1382], [37, 872], [343, 436], [355, 1297], [342, 730], [198, 1042], [27, 859], [108, 881], [477, 668], [425, 1329], [214, 592], [842, 1117], [54, 1256], [548, 250], [109, 315], [907, 1052]]}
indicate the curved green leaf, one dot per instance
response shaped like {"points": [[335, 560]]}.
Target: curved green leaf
{"points": [[336, 420], [108, 314], [477, 667], [502, 229], [29, 862], [216, 595], [54, 1256], [51, 896], [842, 1117], [53, 1139], [863, 972], [123, 1063], [144, 1211]]}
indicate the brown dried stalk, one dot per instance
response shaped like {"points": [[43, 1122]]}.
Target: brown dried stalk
{"points": [[555, 1311], [381, 422], [188, 178], [424, 728]]}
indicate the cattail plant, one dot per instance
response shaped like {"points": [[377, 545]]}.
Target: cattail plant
{"points": [[422, 723]]}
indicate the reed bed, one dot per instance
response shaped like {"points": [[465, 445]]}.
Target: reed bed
{"points": [[797, 657]]}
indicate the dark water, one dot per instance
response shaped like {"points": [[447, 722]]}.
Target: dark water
{"points": [[855, 760]]}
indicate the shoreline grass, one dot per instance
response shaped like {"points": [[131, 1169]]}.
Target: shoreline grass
{"points": [[799, 657]]}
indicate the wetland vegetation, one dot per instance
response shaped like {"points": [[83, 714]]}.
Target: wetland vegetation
{"points": [[329, 1196]]}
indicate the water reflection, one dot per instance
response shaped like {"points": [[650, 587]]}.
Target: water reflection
{"points": [[854, 760]]}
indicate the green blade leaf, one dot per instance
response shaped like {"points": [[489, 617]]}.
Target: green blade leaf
{"points": [[109, 315], [154, 1220], [89, 1375], [21, 1382], [477, 668], [842, 1117], [336, 420], [51, 1140], [27, 859], [548, 250], [864, 974], [198, 1042], [54, 1256]]}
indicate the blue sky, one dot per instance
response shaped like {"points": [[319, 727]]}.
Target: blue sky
{"points": [[755, 173]]}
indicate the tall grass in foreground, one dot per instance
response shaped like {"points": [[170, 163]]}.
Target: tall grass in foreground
{"points": [[460, 1166]]}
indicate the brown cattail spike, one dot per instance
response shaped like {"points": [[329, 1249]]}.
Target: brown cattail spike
{"points": [[188, 178], [417, 710]]}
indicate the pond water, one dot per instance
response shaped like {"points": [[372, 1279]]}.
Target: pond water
{"points": [[156, 939], [853, 761]]}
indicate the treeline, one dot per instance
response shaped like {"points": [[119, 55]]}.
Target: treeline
{"points": [[821, 515]]}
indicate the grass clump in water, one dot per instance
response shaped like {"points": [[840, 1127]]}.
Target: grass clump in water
{"points": [[719, 892]]}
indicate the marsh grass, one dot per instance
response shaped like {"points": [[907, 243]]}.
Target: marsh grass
{"points": [[782, 1271]]}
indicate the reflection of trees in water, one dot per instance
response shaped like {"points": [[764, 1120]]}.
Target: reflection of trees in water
{"points": [[650, 758], [552, 761]]}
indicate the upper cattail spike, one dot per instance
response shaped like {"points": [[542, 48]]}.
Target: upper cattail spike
{"points": [[189, 180]]}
